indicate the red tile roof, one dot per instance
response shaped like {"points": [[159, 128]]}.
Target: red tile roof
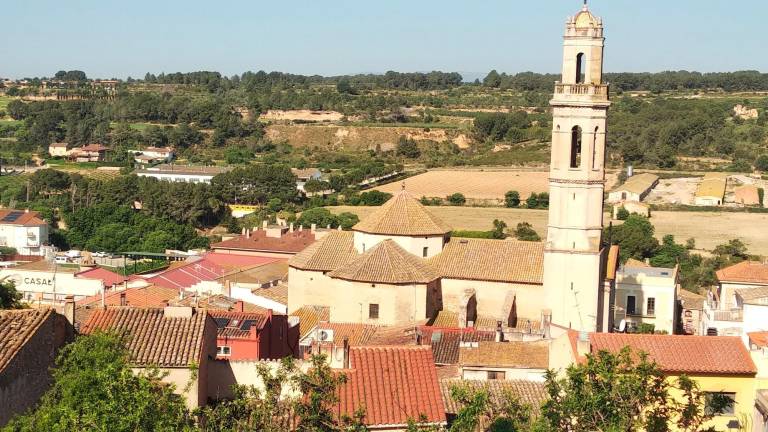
{"points": [[107, 277], [237, 325], [393, 384], [16, 328], [25, 218], [719, 355], [290, 242], [210, 267], [153, 338], [148, 296], [745, 271], [759, 339]]}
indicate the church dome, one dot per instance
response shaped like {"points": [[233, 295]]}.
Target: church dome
{"points": [[402, 215], [386, 263]]}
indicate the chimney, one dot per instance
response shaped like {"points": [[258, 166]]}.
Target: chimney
{"points": [[313, 227], [291, 227], [301, 227], [123, 301], [546, 319], [499, 332], [346, 352], [69, 309], [328, 227], [243, 232], [582, 344], [264, 224], [239, 306], [247, 233]]}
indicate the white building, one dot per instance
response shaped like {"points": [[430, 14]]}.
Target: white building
{"points": [[23, 230], [180, 173], [305, 175], [154, 155], [634, 189], [647, 295], [47, 283], [58, 149]]}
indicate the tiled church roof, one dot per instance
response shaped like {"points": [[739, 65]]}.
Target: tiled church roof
{"points": [[328, 253], [386, 262], [402, 215], [491, 260]]}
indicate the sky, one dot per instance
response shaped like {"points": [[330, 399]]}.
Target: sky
{"points": [[118, 39]]}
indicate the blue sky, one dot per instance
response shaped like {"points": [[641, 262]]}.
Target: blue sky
{"points": [[128, 38]]}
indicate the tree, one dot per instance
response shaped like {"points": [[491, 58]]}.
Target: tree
{"points": [[669, 253], [314, 185], [478, 408], [623, 391], [9, 297], [256, 184], [318, 216], [407, 147], [94, 389], [622, 213], [347, 220], [344, 87], [525, 232], [512, 199], [374, 198], [761, 163], [533, 201], [634, 237], [456, 199], [318, 386], [499, 229]]}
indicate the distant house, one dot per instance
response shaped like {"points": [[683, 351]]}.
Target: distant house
{"points": [[180, 341], [29, 342], [711, 190], [252, 336], [58, 149], [691, 306], [88, 153], [304, 175], [183, 173], [153, 155], [495, 360], [635, 188], [23, 230], [646, 295], [272, 241], [741, 276]]}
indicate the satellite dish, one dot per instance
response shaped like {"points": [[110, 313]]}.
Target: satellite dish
{"points": [[324, 335], [623, 326]]}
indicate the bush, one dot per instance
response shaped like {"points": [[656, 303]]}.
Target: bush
{"points": [[622, 213], [646, 328], [533, 201], [525, 232], [408, 148], [374, 198], [431, 201], [512, 199], [761, 196], [456, 199], [761, 163]]}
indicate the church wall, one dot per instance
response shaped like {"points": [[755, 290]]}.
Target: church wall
{"points": [[308, 288], [491, 297], [413, 245], [398, 304], [573, 307]]}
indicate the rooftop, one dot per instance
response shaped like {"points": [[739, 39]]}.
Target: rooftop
{"points": [[16, 328], [184, 170], [394, 384], [445, 342], [237, 325], [529, 392], [326, 254], [107, 277], [218, 302], [148, 296], [691, 300], [638, 183], [386, 263], [258, 241], [20, 217], [402, 215], [309, 317], [356, 333], [513, 354], [210, 267], [712, 185], [718, 355], [756, 295], [153, 338], [754, 272], [491, 260]]}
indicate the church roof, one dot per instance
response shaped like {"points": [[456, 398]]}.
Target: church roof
{"points": [[402, 215], [330, 252], [387, 263], [491, 260], [585, 18]]}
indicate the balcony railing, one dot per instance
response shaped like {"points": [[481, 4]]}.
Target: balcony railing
{"points": [[597, 91]]}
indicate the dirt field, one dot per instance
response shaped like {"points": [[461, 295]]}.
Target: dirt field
{"points": [[488, 185], [708, 228], [674, 191]]}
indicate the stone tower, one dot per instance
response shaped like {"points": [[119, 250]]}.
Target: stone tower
{"points": [[573, 256]]}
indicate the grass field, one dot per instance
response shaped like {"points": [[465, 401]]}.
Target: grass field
{"points": [[708, 228], [4, 101]]}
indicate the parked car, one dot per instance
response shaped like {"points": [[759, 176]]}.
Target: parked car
{"points": [[74, 253], [61, 259], [100, 255]]}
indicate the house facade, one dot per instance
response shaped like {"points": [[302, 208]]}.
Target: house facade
{"points": [[647, 295], [23, 230]]}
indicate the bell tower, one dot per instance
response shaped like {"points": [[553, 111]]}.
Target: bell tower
{"points": [[573, 281]]}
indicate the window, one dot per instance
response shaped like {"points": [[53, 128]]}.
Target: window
{"points": [[425, 252], [650, 308], [223, 351], [496, 375], [630, 305], [594, 150], [580, 68], [719, 403], [576, 147], [363, 247], [373, 311]]}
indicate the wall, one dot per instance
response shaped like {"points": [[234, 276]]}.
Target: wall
{"points": [[491, 296], [664, 317], [306, 287], [743, 386], [727, 293], [16, 236], [623, 195], [575, 307], [32, 283], [224, 374], [414, 245], [481, 373], [27, 376], [755, 319], [244, 292]]}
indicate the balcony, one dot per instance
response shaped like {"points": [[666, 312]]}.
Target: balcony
{"points": [[581, 92]]}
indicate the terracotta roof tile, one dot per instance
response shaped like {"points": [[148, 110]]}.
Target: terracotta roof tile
{"points": [[400, 335], [446, 319], [237, 325], [16, 328], [386, 262], [108, 278], [148, 296], [491, 260], [259, 274], [515, 354], [393, 384], [309, 317], [278, 293], [529, 392], [217, 302], [329, 253], [356, 333], [746, 271], [722, 355], [258, 241], [613, 262], [759, 339], [445, 342], [20, 217], [152, 338], [402, 215], [691, 300]]}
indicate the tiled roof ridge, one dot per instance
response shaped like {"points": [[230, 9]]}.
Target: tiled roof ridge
{"points": [[8, 353], [386, 262], [402, 215]]}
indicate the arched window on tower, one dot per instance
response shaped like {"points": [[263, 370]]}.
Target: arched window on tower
{"points": [[580, 69], [594, 149], [576, 147]]}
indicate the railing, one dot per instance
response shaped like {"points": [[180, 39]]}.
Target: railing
{"points": [[599, 91]]}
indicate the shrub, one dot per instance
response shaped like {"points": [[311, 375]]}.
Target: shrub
{"points": [[761, 163], [525, 232], [512, 199], [761, 196], [456, 199], [622, 213]]}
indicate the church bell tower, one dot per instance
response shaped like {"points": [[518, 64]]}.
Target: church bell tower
{"points": [[573, 271]]}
